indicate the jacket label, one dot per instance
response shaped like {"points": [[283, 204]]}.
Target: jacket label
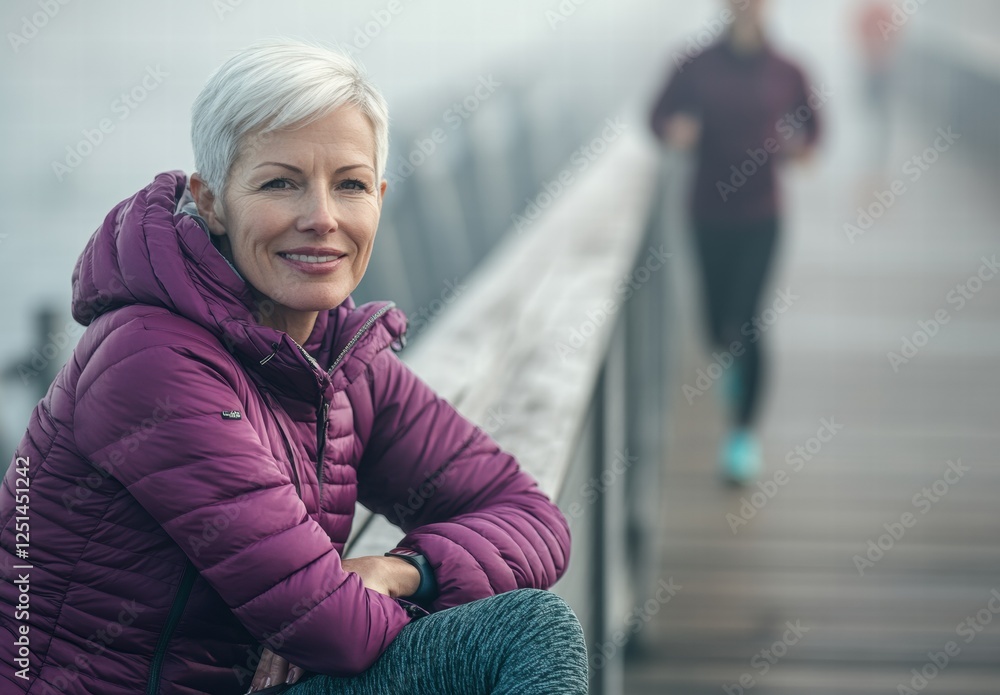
{"points": [[232, 415]]}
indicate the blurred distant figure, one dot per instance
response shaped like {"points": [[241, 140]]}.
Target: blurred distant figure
{"points": [[742, 108], [34, 371], [37, 369], [877, 30]]}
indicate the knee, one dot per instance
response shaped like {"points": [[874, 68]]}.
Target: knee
{"points": [[533, 600], [542, 609]]}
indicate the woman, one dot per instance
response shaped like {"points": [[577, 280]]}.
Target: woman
{"points": [[193, 470], [744, 109]]}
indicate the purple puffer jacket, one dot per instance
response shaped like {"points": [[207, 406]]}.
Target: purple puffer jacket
{"points": [[192, 477]]}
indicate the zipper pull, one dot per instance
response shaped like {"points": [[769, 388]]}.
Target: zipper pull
{"points": [[274, 349]]}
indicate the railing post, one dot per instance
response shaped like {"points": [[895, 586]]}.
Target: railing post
{"points": [[646, 319], [610, 554]]}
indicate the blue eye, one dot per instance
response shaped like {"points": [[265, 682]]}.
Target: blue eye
{"points": [[276, 185], [356, 184]]}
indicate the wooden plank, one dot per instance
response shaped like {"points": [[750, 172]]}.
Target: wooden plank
{"points": [[794, 559]]}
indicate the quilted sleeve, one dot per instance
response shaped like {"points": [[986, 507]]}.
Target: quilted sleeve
{"points": [[464, 503]]}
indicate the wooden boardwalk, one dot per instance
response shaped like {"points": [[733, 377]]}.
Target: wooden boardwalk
{"points": [[934, 585]]}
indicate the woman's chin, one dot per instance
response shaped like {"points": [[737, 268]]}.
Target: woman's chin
{"points": [[326, 302], [311, 299]]}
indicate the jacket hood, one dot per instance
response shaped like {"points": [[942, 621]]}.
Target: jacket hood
{"points": [[149, 252]]}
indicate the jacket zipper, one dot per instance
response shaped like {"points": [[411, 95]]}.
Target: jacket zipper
{"points": [[347, 348], [324, 407], [176, 609], [291, 460], [361, 331], [320, 445]]}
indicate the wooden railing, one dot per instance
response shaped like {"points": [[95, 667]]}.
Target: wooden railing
{"points": [[555, 346], [955, 84]]}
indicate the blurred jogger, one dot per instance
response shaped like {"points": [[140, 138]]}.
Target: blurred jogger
{"points": [[877, 32], [742, 108]]}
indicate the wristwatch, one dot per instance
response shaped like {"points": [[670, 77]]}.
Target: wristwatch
{"points": [[428, 589]]}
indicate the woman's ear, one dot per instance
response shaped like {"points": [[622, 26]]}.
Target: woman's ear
{"points": [[206, 201]]}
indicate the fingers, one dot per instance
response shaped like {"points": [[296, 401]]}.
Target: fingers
{"points": [[263, 668], [271, 670], [294, 674]]}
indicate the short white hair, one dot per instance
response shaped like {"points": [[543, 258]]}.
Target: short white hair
{"points": [[273, 85]]}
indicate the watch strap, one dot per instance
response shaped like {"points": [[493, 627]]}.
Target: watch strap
{"points": [[427, 591]]}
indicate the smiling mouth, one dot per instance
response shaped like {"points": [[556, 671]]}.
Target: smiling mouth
{"points": [[302, 258]]}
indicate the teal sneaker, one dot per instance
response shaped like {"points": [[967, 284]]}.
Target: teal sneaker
{"points": [[740, 457]]}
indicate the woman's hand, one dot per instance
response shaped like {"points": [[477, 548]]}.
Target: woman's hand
{"points": [[682, 131], [273, 670], [387, 575]]}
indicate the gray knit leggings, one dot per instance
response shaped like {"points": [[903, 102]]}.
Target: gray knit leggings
{"points": [[524, 642]]}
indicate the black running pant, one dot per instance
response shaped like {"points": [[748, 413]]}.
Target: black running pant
{"points": [[734, 260]]}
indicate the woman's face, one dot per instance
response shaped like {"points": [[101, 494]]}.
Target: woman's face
{"points": [[300, 210], [748, 11]]}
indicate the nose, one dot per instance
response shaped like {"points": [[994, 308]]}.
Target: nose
{"points": [[318, 214]]}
